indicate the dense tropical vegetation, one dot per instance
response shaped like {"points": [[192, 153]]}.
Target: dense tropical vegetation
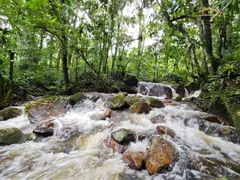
{"points": [[54, 46]]}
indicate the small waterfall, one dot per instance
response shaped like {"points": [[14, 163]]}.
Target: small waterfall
{"points": [[156, 89]]}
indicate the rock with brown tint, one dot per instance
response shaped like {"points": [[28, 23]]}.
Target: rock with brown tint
{"points": [[134, 160], [225, 131], [158, 119], [140, 108], [141, 137], [165, 130], [49, 124], [161, 154], [167, 101], [108, 113], [46, 108], [173, 104], [101, 117], [155, 103], [110, 143], [213, 119]]}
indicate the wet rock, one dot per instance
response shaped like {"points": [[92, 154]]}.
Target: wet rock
{"points": [[179, 88], [158, 119], [167, 101], [123, 136], [225, 131], [108, 113], [155, 103], [140, 108], [161, 154], [32, 137], [9, 113], [218, 108], [11, 136], [165, 130], [44, 130], [178, 98], [191, 87], [132, 89], [46, 108], [215, 119], [118, 102], [130, 80], [101, 117], [167, 91], [75, 98], [134, 160], [133, 99], [141, 137], [110, 143]]}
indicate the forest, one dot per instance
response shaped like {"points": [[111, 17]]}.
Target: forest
{"points": [[59, 48]]}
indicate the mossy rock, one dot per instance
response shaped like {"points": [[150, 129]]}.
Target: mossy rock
{"points": [[140, 108], [133, 99], [178, 98], [155, 103], [9, 113], [118, 101], [11, 136], [75, 98], [130, 80], [46, 108], [231, 99]]}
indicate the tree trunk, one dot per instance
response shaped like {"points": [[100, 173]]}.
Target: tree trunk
{"points": [[207, 39], [64, 49], [2, 82], [64, 65]]}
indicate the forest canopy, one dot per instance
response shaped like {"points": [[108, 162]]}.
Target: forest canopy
{"points": [[47, 44]]}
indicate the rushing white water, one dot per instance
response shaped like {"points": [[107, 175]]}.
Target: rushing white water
{"points": [[77, 151]]}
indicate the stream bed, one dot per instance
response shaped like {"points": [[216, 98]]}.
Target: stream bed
{"points": [[77, 149]]}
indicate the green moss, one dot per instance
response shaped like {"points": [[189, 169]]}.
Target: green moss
{"points": [[119, 101], [43, 100], [231, 99], [9, 113], [11, 136], [132, 99], [75, 98]]}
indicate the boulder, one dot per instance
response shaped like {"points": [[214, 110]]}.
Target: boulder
{"points": [[75, 98], [191, 87], [118, 102], [110, 143], [130, 80], [133, 99], [155, 103], [179, 89], [132, 90], [167, 101], [123, 136], [218, 108], [11, 136], [9, 113], [108, 113], [165, 130], [160, 155], [134, 160], [178, 98], [167, 92], [140, 108], [158, 119], [45, 129], [46, 108]]}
